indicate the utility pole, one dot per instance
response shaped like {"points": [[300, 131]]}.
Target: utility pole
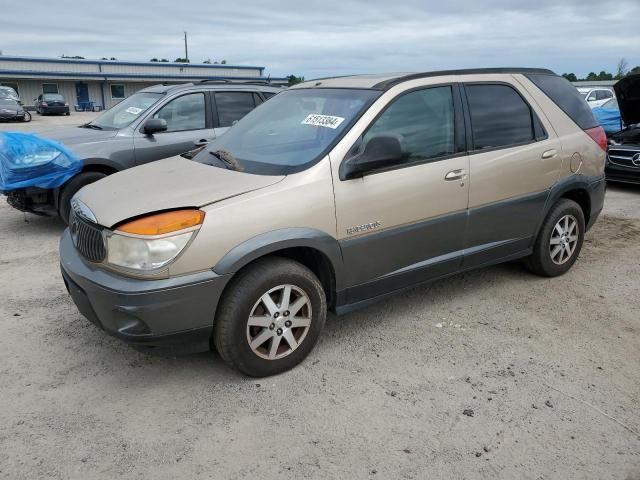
{"points": [[186, 50]]}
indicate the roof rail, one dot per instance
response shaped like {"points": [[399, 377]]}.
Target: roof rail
{"points": [[215, 80], [385, 85]]}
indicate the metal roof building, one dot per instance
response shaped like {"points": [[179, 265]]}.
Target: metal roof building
{"points": [[104, 83]]}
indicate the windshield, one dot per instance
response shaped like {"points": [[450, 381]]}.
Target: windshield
{"points": [[53, 97], [7, 102], [289, 132], [129, 109], [8, 92]]}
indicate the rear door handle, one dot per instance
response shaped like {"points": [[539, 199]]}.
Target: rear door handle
{"points": [[455, 175], [550, 153], [201, 143]]}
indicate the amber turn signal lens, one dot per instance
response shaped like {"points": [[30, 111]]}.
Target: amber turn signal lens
{"points": [[162, 223]]}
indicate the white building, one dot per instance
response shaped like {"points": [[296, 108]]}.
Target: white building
{"points": [[106, 82]]}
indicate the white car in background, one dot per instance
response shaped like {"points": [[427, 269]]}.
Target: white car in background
{"points": [[596, 97]]}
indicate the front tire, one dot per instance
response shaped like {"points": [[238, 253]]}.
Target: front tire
{"points": [[270, 317], [71, 188], [559, 241]]}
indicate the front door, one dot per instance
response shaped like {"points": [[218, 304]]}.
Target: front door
{"points": [[188, 127], [82, 93], [406, 224]]}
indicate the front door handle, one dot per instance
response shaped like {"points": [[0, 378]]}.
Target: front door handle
{"points": [[201, 143], [455, 175], [550, 153]]}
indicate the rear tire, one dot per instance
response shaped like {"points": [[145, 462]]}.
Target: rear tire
{"points": [[559, 240], [266, 337], [71, 188]]}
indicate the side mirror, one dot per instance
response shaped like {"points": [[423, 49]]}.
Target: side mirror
{"points": [[380, 151], [154, 125]]}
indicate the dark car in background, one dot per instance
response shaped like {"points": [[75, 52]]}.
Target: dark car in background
{"points": [[154, 123], [47, 103], [11, 110], [623, 163]]}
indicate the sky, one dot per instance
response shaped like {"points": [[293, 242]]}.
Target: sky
{"points": [[334, 37]]}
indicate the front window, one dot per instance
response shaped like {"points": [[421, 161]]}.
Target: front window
{"points": [[126, 111], [184, 113], [289, 132]]}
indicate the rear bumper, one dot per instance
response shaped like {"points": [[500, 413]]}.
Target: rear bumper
{"points": [[597, 190], [170, 316]]}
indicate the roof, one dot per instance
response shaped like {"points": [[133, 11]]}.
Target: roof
{"points": [[386, 81], [118, 62]]}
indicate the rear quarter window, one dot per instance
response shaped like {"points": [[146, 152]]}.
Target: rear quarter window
{"points": [[565, 96]]}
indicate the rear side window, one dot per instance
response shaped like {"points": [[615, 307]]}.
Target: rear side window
{"points": [[232, 106], [499, 117], [566, 97]]}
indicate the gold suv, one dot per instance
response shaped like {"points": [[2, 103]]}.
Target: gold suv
{"points": [[332, 195]]}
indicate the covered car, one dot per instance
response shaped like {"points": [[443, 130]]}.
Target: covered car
{"points": [[608, 116]]}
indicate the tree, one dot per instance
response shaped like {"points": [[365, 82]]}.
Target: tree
{"points": [[181, 60], [154, 59], [292, 80], [223, 62], [635, 71], [77, 57], [113, 58], [592, 76], [164, 60], [570, 76], [605, 76], [622, 69], [207, 61]]}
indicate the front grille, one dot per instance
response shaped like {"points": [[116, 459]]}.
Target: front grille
{"points": [[88, 239], [624, 157]]}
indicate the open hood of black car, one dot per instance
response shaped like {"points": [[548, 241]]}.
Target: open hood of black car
{"points": [[628, 95]]}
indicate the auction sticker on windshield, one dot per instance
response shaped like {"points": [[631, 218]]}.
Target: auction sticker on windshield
{"points": [[323, 121], [133, 110]]}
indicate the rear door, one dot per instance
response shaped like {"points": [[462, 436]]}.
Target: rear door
{"points": [[189, 126], [514, 159], [405, 224], [231, 106]]}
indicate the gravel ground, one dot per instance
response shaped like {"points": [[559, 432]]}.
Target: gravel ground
{"points": [[490, 374]]}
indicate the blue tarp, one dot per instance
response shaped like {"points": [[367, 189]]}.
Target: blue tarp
{"points": [[27, 160], [608, 118]]}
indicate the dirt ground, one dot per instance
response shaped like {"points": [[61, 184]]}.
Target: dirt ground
{"points": [[490, 374]]}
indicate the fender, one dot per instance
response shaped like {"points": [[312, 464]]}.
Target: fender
{"points": [[594, 185], [275, 240], [89, 162]]}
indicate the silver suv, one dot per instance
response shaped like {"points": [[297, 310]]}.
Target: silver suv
{"points": [[335, 194], [152, 124]]}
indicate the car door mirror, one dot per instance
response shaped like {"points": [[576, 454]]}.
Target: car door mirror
{"points": [[154, 125], [379, 152]]}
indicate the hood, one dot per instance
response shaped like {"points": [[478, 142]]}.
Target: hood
{"points": [[628, 95], [164, 185], [73, 136]]}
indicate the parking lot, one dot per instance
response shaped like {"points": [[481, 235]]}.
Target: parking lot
{"points": [[491, 374]]}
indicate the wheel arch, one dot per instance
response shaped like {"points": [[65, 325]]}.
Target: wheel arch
{"points": [[315, 249]]}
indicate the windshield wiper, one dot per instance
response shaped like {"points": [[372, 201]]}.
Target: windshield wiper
{"points": [[227, 159], [91, 125]]}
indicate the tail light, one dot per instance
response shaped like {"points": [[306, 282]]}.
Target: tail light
{"points": [[44, 104], [66, 104], [597, 135]]}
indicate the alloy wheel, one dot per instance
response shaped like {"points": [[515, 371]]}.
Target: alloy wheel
{"points": [[564, 239], [279, 322]]}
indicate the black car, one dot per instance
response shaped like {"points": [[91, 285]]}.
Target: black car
{"points": [[51, 103], [10, 109], [623, 163]]}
